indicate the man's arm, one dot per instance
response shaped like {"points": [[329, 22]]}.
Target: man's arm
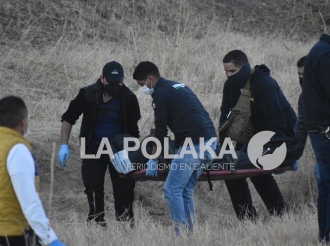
{"points": [[21, 169], [224, 110], [324, 72], [161, 119], [133, 116], [65, 132], [301, 124], [269, 104], [76, 108]]}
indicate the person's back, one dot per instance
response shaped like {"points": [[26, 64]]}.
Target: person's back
{"points": [[270, 109], [316, 109], [316, 84], [300, 129], [9, 205], [20, 206], [187, 116]]}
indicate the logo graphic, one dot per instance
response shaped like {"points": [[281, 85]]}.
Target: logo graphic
{"points": [[262, 157], [114, 72], [178, 86]]}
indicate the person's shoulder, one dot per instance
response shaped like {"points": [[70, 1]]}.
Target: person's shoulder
{"points": [[88, 90], [159, 94], [20, 147], [262, 77], [162, 86], [226, 85], [19, 150], [126, 92], [262, 82]]}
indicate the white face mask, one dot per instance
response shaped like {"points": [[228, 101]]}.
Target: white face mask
{"points": [[26, 132], [146, 90]]}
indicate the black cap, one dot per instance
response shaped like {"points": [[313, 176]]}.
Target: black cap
{"points": [[113, 71]]}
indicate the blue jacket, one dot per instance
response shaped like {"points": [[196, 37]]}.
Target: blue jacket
{"points": [[316, 84], [270, 110], [176, 106]]}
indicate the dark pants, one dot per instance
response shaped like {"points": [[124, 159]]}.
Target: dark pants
{"points": [[13, 241], [321, 147], [93, 173], [28, 239], [268, 190]]}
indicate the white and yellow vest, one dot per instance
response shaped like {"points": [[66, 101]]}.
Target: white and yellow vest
{"points": [[12, 219]]}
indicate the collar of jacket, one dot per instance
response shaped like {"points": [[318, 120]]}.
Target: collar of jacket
{"points": [[325, 37], [15, 134], [159, 83], [259, 70]]}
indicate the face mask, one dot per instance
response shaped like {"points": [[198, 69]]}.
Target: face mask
{"points": [[240, 78], [300, 81], [26, 132], [146, 90], [112, 89]]}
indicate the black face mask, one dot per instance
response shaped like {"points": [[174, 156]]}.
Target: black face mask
{"points": [[300, 81], [239, 79], [112, 89]]}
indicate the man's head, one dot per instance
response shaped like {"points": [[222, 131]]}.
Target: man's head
{"points": [[234, 61], [13, 114], [146, 74], [300, 65], [112, 77]]}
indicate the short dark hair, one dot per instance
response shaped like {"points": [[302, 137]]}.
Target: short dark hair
{"points": [[144, 69], [237, 57], [12, 111], [301, 61]]}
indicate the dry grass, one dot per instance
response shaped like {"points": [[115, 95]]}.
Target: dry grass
{"points": [[48, 77]]}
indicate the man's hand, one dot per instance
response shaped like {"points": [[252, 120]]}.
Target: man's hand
{"points": [[63, 154], [152, 168]]}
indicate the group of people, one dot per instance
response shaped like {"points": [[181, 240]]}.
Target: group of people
{"points": [[110, 108]]}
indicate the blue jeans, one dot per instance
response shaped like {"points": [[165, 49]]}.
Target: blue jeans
{"points": [[180, 184], [321, 147]]}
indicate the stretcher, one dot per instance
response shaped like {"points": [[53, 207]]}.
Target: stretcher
{"points": [[212, 174]]}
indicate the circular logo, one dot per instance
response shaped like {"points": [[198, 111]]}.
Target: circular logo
{"points": [[262, 157]]}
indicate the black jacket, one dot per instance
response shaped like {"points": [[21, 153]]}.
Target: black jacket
{"points": [[316, 84], [87, 101], [301, 124], [269, 108], [176, 106]]}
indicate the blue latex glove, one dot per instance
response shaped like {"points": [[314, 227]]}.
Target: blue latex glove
{"points": [[295, 166], [57, 243], [63, 154], [152, 168]]}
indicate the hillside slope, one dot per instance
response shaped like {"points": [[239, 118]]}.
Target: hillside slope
{"points": [[44, 22]]}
